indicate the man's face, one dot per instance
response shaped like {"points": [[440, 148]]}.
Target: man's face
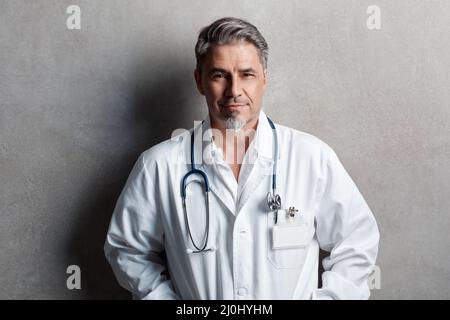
{"points": [[233, 81]]}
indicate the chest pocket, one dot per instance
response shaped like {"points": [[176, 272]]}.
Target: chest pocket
{"points": [[289, 256]]}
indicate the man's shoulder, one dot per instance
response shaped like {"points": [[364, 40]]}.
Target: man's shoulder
{"points": [[304, 142], [168, 150]]}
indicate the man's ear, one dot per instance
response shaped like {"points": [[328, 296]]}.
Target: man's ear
{"points": [[198, 81]]}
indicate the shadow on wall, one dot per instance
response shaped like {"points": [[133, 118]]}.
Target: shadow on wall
{"points": [[162, 99]]}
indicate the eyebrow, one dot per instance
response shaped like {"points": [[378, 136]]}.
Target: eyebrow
{"points": [[225, 71]]}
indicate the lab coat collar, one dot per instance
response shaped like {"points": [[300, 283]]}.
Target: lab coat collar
{"points": [[264, 138], [261, 146]]}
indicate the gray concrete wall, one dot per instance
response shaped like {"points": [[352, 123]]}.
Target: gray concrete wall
{"points": [[78, 106]]}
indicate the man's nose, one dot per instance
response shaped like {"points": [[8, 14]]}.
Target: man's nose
{"points": [[233, 88]]}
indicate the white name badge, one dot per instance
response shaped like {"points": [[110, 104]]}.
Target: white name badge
{"points": [[290, 235]]}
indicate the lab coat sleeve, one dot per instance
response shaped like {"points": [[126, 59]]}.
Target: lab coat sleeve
{"points": [[135, 239], [346, 228]]}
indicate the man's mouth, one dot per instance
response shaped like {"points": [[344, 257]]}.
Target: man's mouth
{"points": [[233, 105]]}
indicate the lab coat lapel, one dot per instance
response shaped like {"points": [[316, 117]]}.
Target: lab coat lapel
{"points": [[214, 183], [260, 172], [263, 163]]}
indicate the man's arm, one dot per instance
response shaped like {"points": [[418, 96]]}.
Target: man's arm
{"points": [[135, 242], [346, 228]]}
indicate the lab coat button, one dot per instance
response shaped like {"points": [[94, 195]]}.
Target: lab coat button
{"points": [[242, 291]]}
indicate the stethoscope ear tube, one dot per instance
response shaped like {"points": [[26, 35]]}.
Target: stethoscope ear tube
{"points": [[191, 172], [274, 199], [203, 248], [190, 251]]}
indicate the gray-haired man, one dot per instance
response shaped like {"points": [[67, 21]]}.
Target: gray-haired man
{"points": [[246, 218]]}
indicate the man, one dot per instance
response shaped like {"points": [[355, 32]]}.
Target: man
{"points": [[242, 243]]}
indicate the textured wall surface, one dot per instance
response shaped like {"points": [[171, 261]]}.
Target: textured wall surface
{"points": [[78, 106]]}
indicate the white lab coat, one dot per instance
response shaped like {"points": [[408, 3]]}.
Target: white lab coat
{"points": [[149, 218]]}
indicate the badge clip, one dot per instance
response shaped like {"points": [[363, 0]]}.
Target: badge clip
{"points": [[291, 212]]}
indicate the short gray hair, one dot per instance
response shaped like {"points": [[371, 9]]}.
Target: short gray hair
{"points": [[228, 30]]}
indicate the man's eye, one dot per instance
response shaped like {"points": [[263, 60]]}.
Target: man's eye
{"points": [[249, 75], [218, 75]]}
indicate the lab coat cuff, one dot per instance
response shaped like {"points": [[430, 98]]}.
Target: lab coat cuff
{"points": [[336, 287], [163, 292]]}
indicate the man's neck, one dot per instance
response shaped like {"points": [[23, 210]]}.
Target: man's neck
{"points": [[234, 144]]}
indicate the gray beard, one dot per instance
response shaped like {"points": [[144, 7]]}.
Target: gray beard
{"points": [[233, 123]]}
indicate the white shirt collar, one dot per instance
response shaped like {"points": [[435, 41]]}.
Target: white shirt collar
{"points": [[261, 145]]}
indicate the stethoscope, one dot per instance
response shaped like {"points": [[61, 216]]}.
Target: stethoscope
{"points": [[273, 199]]}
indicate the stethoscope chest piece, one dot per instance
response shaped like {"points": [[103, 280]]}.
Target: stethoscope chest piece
{"points": [[273, 201]]}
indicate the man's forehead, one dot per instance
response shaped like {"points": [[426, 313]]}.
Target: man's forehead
{"points": [[239, 52]]}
